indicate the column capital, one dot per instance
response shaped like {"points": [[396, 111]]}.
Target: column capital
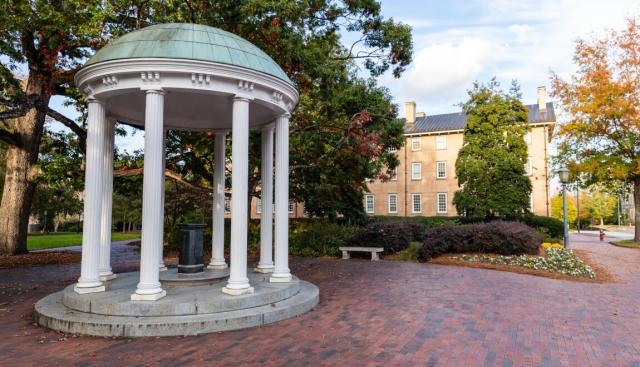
{"points": [[285, 115], [153, 90], [242, 97], [267, 127], [92, 99]]}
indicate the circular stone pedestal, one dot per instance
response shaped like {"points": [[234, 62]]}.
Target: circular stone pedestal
{"points": [[171, 277], [188, 310]]}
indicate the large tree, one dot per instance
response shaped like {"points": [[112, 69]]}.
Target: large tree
{"points": [[601, 136], [42, 44], [490, 164]]}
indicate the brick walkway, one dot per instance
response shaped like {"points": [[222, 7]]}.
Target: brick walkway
{"points": [[385, 313]]}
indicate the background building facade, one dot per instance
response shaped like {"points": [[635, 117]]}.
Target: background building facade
{"points": [[424, 182]]}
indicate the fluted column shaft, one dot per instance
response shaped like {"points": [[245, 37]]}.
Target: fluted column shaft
{"points": [[89, 274], [281, 271], [149, 287], [161, 264], [266, 192], [238, 282], [217, 238], [107, 203]]}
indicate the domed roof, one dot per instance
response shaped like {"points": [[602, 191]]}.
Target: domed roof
{"points": [[189, 41]]}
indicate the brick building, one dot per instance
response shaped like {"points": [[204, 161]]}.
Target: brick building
{"points": [[424, 183]]}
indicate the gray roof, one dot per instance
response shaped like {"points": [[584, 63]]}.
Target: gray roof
{"points": [[458, 120]]}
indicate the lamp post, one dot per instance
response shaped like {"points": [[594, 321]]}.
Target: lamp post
{"points": [[563, 173]]}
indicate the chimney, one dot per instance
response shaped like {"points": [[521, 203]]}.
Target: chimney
{"points": [[542, 99], [410, 112]]}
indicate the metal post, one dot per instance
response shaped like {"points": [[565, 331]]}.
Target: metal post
{"points": [[578, 207], [566, 226]]}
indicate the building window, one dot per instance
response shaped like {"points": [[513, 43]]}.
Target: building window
{"points": [[531, 202], [258, 206], [528, 169], [415, 144], [368, 204], [393, 174], [441, 169], [227, 205], [441, 142], [527, 137], [416, 200], [290, 206], [416, 171], [393, 203], [392, 149], [442, 202]]}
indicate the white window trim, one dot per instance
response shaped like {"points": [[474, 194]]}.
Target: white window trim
{"points": [[291, 204], [446, 203], [413, 205], [392, 150], [419, 171], [438, 170], [258, 206], [528, 137], [413, 141], [528, 167], [227, 205], [443, 139], [393, 176], [389, 203], [366, 204]]}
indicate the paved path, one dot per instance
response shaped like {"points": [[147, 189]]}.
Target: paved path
{"points": [[372, 313]]}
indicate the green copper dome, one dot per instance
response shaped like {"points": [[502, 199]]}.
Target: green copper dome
{"points": [[189, 41]]}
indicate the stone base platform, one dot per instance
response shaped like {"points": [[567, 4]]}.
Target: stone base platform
{"points": [[188, 310]]}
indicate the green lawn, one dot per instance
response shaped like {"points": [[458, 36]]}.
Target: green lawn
{"points": [[627, 243], [36, 241]]}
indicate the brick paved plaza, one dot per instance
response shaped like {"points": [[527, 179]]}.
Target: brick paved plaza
{"points": [[385, 313]]}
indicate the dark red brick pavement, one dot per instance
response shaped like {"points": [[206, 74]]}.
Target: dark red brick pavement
{"points": [[386, 313]]}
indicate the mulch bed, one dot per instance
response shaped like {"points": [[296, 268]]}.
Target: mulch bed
{"points": [[602, 275], [39, 259]]}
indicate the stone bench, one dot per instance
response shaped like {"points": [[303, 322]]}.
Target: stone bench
{"points": [[374, 251]]}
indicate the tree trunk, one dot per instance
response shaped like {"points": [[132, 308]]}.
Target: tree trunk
{"points": [[636, 203], [19, 184]]}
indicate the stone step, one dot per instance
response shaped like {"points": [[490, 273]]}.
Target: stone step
{"points": [[50, 312], [192, 300]]}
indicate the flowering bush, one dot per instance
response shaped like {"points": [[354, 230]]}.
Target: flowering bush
{"points": [[558, 260], [547, 245]]}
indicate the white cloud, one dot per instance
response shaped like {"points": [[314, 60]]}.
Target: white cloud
{"points": [[521, 40]]}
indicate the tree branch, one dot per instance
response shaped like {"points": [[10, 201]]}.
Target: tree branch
{"points": [[128, 172], [72, 125], [9, 137]]}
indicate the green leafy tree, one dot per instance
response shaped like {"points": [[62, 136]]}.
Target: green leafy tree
{"points": [[601, 204], [557, 210], [42, 44], [60, 183], [490, 165]]}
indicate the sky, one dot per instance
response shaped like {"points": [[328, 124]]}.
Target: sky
{"points": [[457, 42]]}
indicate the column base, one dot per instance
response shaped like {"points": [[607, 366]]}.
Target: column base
{"points": [[265, 269], [217, 265], [280, 278], [148, 297], [237, 292], [105, 277], [84, 290]]}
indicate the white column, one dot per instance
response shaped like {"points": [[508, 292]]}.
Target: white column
{"points": [[161, 265], [89, 275], [107, 202], [238, 282], [149, 288], [266, 192], [281, 271], [217, 238]]}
